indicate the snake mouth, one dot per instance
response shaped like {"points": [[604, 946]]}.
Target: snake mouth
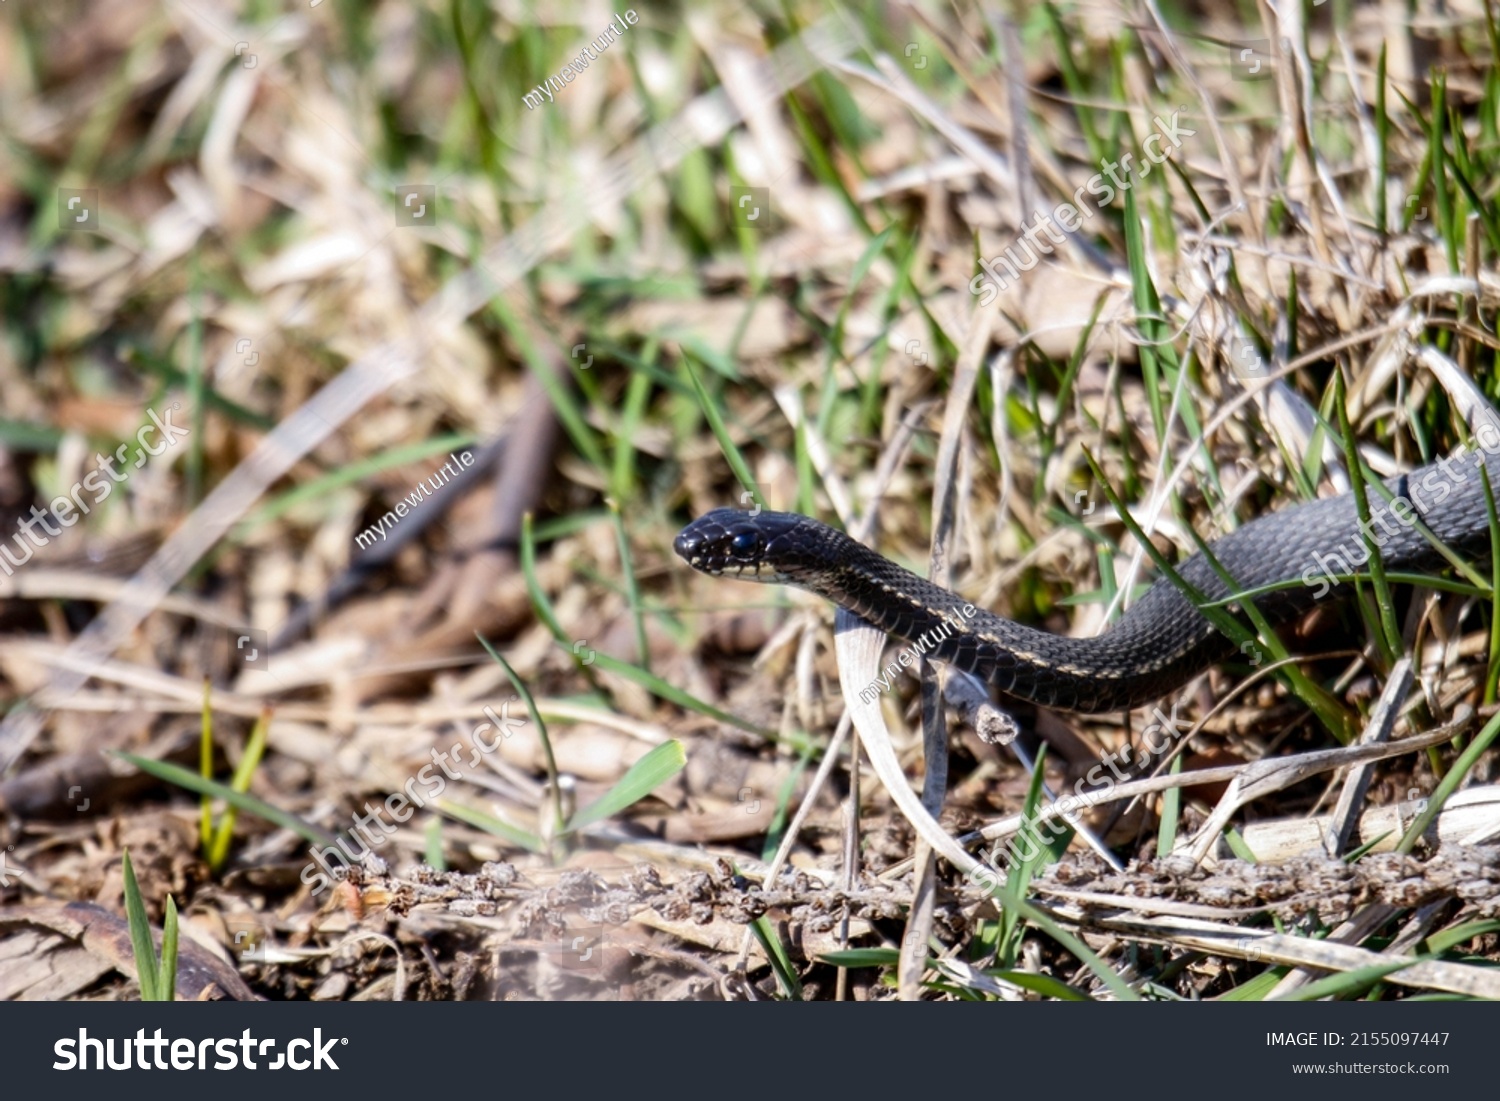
{"points": [[718, 564], [736, 572]]}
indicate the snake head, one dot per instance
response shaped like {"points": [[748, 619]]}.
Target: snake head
{"points": [[750, 546]]}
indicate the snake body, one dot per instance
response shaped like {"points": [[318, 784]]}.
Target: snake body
{"points": [[1163, 640]]}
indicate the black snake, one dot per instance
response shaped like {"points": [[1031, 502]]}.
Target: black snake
{"points": [[1163, 640]]}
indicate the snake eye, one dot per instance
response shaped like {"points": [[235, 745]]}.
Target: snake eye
{"points": [[744, 543]]}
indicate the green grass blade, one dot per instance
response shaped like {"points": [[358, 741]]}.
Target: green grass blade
{"points": [[1254, 989], [1388, 637], [639, 781], [541, 728], [781, 963], [206, 770], [861, 957], [1148, 312], [1044, 921], [1171, 809], [539, 601], [19, 436], [174, 774], [1436, 139], [569, 415], [1043, 851], [1440, 942], [522, 839], [873, 248], [672, 694], [1238, 845], [140, 934], [784, 796], [432, 845], [542, 604], [1044, 985], [1347, 983], [1382, 144], [1062, 43], [632, 588], [716, 424], [318, 489], [1449, 784], [255, 749], [197, 408], [1354, 855], [624, 477], [166, 984]]}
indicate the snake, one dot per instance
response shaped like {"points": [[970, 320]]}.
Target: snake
{"points": [[1418, 524]]}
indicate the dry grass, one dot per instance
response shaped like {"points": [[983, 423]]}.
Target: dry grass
{"points": [[593, 319]]}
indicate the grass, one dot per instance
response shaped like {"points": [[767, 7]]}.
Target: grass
{"points": [[156, 974], [692, 359]]}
